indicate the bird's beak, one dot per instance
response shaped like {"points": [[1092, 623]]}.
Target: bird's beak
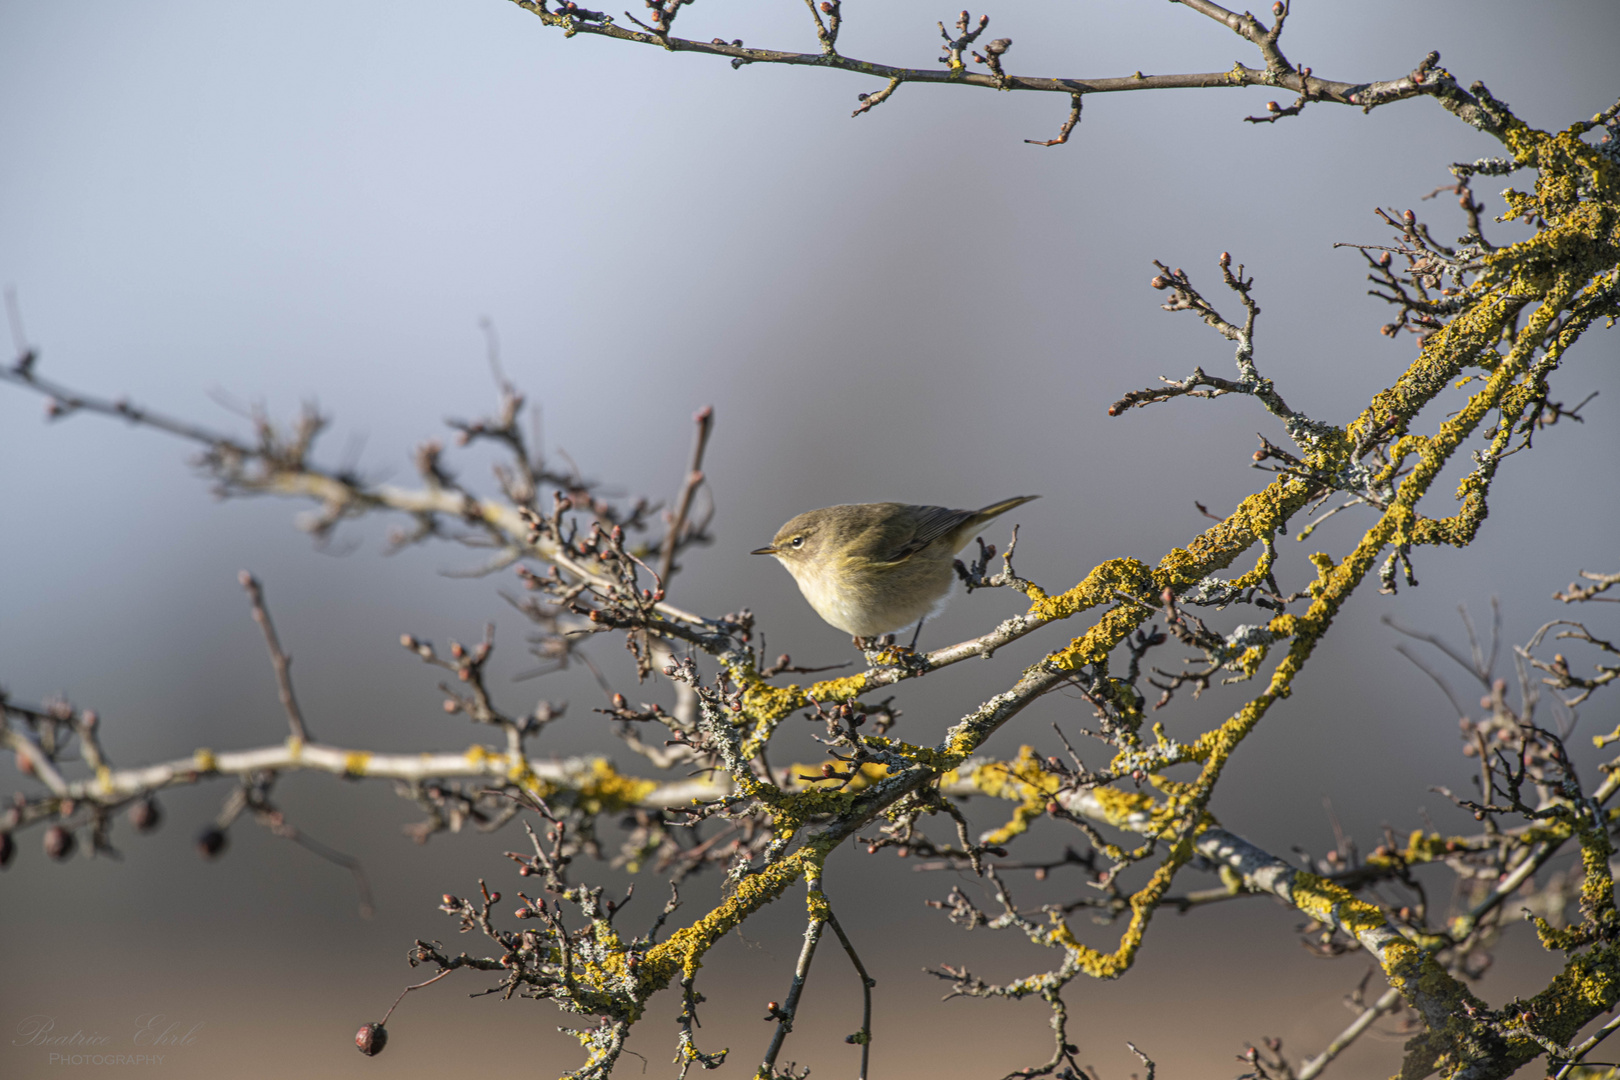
{"points": [[763, 551]]}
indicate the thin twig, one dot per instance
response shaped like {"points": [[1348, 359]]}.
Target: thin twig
{"points": [[1388, 1003], [278, 659], [784, 1014], [694, 478], [864, 1036]]}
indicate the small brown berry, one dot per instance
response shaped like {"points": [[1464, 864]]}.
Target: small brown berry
{"points": [[145, 815], [58, 843], [210, 843], [371, 1039]]}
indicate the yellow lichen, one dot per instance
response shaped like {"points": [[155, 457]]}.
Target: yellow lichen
{"points": [[606, 791]]}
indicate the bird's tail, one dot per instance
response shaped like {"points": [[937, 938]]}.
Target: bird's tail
{"points": [[997, 509]]}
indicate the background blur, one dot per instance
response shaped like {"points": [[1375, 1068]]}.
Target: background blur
{"points": [[322, 199]]}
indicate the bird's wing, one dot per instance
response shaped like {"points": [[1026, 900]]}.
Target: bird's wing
{"points": [[932, 523]]}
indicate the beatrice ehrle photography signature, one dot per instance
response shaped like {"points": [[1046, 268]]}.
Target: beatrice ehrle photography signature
{"points": [[145, 1039]]}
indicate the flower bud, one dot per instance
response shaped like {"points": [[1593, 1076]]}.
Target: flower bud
{"points": [[8, 848]]}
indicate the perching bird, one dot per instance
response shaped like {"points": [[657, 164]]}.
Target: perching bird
{"points": [[872, 568]]}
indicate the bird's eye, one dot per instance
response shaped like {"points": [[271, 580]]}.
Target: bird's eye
{"points": [[797, 541]]}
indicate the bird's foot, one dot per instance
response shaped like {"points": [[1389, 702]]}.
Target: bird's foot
{"points": [[883, 652]]}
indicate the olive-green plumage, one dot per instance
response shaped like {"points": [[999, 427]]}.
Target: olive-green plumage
{"points": [[871, 568]]}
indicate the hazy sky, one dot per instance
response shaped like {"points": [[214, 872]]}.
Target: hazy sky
{"points": [[321, 200]]}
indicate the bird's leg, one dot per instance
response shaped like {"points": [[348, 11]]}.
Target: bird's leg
{"points": [[917, 633]]}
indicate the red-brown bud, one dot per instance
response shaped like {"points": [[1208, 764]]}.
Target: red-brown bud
{"points": [[1272, 106], [1277, 8], [1226, 259], [1160, 282]]}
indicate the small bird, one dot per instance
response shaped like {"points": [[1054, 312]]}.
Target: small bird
{"points": [[872, 568]]}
